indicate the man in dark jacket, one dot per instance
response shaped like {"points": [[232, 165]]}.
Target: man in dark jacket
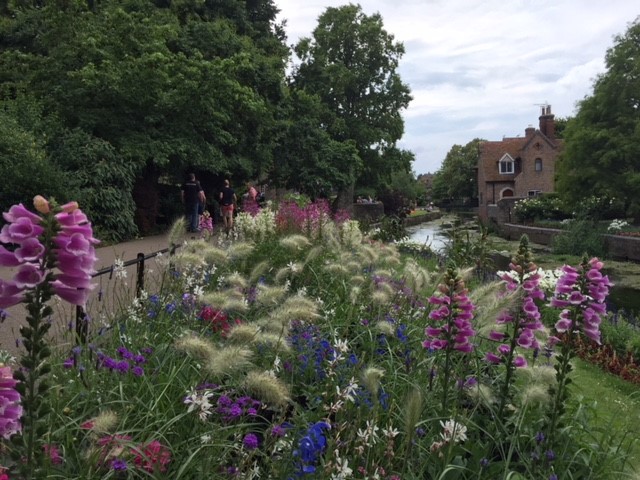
{"points": [[192, 197]]}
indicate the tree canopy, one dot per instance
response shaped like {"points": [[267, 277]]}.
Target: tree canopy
{"points": [[113, 102], [457, 181], [145, 89], [350, 63], [602, 143]]}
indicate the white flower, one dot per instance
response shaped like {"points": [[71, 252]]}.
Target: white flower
{"points": [[390, 432], [200, 402], [342, 468], [206, 438], [294, 267], [370, 434], [118, 269], [341, 345], [453, 431]]}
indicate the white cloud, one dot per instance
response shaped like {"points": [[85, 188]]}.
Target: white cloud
{"points": [[479, 68]]}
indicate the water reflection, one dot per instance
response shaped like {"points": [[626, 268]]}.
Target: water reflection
{"points": [[429, 233]]}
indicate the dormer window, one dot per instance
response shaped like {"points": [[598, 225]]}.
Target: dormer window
{"points": [[506, 165]]}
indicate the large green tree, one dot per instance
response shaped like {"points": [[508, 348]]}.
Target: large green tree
{"points": [[602, 143], [351, 63], [155, 87], [456, 181]]}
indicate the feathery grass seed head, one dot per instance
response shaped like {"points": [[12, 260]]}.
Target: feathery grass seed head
{"points": [[267, 388]]}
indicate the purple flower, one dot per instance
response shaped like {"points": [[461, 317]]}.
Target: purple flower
{"points": [[137, 371], [278, 431], [582, 292], [10, 408], [118, 465], [250, 441]]}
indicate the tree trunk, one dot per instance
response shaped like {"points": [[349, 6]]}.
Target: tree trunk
{"points": [[146, 198], [344, 200]]}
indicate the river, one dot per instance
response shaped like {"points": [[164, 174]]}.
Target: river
{"points": [[429, 233]]}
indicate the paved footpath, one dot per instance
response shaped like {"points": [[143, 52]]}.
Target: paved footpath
{"points": [[106, 257]]}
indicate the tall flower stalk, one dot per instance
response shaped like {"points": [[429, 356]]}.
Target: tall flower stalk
{"points": [[452, 327], [54, 255], [580, 293], [517, 327]]}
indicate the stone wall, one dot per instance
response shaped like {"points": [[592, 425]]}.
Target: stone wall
{"points": [[618, 247], [368, 212]]}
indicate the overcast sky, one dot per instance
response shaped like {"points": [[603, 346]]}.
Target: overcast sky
{"points": [[480, 68]]}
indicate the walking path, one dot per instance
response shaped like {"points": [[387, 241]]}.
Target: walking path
{"points": [[9, 329]]}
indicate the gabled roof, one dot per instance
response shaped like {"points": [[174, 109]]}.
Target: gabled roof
{"points": [[492, 152]]}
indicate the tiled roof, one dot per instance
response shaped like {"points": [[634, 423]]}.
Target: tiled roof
{"points": [[492, 152]]}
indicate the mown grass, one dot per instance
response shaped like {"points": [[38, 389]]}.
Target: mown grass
{"points": [[615, 401]]}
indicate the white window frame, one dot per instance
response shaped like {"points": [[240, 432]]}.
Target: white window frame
{"points": [[507, 160]]}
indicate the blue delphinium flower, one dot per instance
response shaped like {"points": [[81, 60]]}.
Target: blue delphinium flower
{"points": [[310, 448]]}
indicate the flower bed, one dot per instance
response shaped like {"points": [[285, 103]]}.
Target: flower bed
{"points": [[315, 354]]}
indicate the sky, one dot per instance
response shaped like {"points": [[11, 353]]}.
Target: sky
{"points": [[483, 68]]}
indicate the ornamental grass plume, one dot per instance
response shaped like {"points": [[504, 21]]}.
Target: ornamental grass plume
{"points": [[259, 270], [196, 346], [240, 250], [371, 379], [228, 361], [267, 295], [264, 386], [103, 423], [295, 242]]}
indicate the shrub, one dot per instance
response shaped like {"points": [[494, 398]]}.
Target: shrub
{"points": [[579, 238]]}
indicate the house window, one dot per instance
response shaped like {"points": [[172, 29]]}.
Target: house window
{"points": [[506, 166], [533, 193], [538, 164]]}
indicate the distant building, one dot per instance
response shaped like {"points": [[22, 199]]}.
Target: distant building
{"points": [[518, 167]]}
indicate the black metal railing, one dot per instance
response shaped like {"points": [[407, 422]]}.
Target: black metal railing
{"points": [[82, 318]]}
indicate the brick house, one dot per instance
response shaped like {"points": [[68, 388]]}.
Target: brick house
{"points": [[518, 167]]}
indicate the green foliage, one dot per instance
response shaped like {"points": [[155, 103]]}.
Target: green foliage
{"points": [[391, 229], [102, 184], [168, 86], [602, 144], [24, 167], [351, 64], [457, 180], [580, 237]]}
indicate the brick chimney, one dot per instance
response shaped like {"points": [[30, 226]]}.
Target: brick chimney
{"points": [[547, 124], [529, 131]]}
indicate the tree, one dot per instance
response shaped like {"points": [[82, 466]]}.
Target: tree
{"points": [[602, 142], [351, 64], [154, 88], [457, 178], [309, 159]]}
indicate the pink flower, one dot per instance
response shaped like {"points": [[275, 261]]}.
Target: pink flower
{"points": [[581, 292], [20, 230], [10, 408], [53, 452], [153, 457], [29, 276], [10, 294]]}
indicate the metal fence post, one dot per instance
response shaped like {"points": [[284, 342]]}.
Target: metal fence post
{"points": [[82, 325], [140, 270]]}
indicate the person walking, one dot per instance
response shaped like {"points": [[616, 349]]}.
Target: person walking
{"points": [[227, 202], [192, 197]]}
